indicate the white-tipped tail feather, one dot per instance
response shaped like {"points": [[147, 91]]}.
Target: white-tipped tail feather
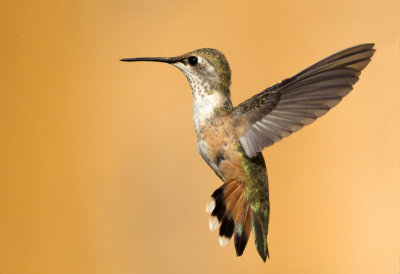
{"points": [[213, 223], [210, 206], [223, 241]]}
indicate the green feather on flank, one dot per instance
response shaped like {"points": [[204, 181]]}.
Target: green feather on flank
{"points": [[256, 189], [255, 206], [256, 192]]}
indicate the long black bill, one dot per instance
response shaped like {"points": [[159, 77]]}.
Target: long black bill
{"points": [[151, 59]]}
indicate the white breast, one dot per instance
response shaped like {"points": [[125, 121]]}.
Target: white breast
{"points": [[204, 100], [204, 106]]}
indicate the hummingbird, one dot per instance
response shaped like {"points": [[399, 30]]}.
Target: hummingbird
{"points": [[231, 138]]}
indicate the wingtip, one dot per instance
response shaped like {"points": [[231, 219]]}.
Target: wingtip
{"points": [[370, 45], [364, 46]]}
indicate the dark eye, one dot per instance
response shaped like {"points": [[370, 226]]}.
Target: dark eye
{"points": [[193, 60]]}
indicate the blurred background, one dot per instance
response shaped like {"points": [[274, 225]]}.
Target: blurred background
{"points": [[99, 168]]}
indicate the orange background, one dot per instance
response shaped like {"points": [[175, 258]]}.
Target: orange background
{"points": [[99, 167]]}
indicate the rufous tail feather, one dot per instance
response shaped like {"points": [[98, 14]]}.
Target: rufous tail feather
{"points": [[229, 207]]}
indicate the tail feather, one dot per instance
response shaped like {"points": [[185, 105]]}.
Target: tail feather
{"points": [[242, 229], [226, 229], [260, 218], [232, 211], [230, 208], [218, 199], [260, 230]]}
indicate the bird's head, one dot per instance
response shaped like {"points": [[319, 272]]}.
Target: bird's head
{"points": [[206, 69]]}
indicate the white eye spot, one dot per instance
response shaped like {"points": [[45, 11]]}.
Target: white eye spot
{"points": [[205, 64]]}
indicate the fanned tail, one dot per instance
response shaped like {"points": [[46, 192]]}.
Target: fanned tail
{"points": [[230, 208]]}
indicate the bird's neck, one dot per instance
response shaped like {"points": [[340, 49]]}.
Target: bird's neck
{"points": [[209, 103]]}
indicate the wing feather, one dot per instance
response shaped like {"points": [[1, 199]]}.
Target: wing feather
{"points": [[286, 107]]}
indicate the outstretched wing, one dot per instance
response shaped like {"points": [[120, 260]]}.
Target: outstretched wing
{"points": [[295, 102]]}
